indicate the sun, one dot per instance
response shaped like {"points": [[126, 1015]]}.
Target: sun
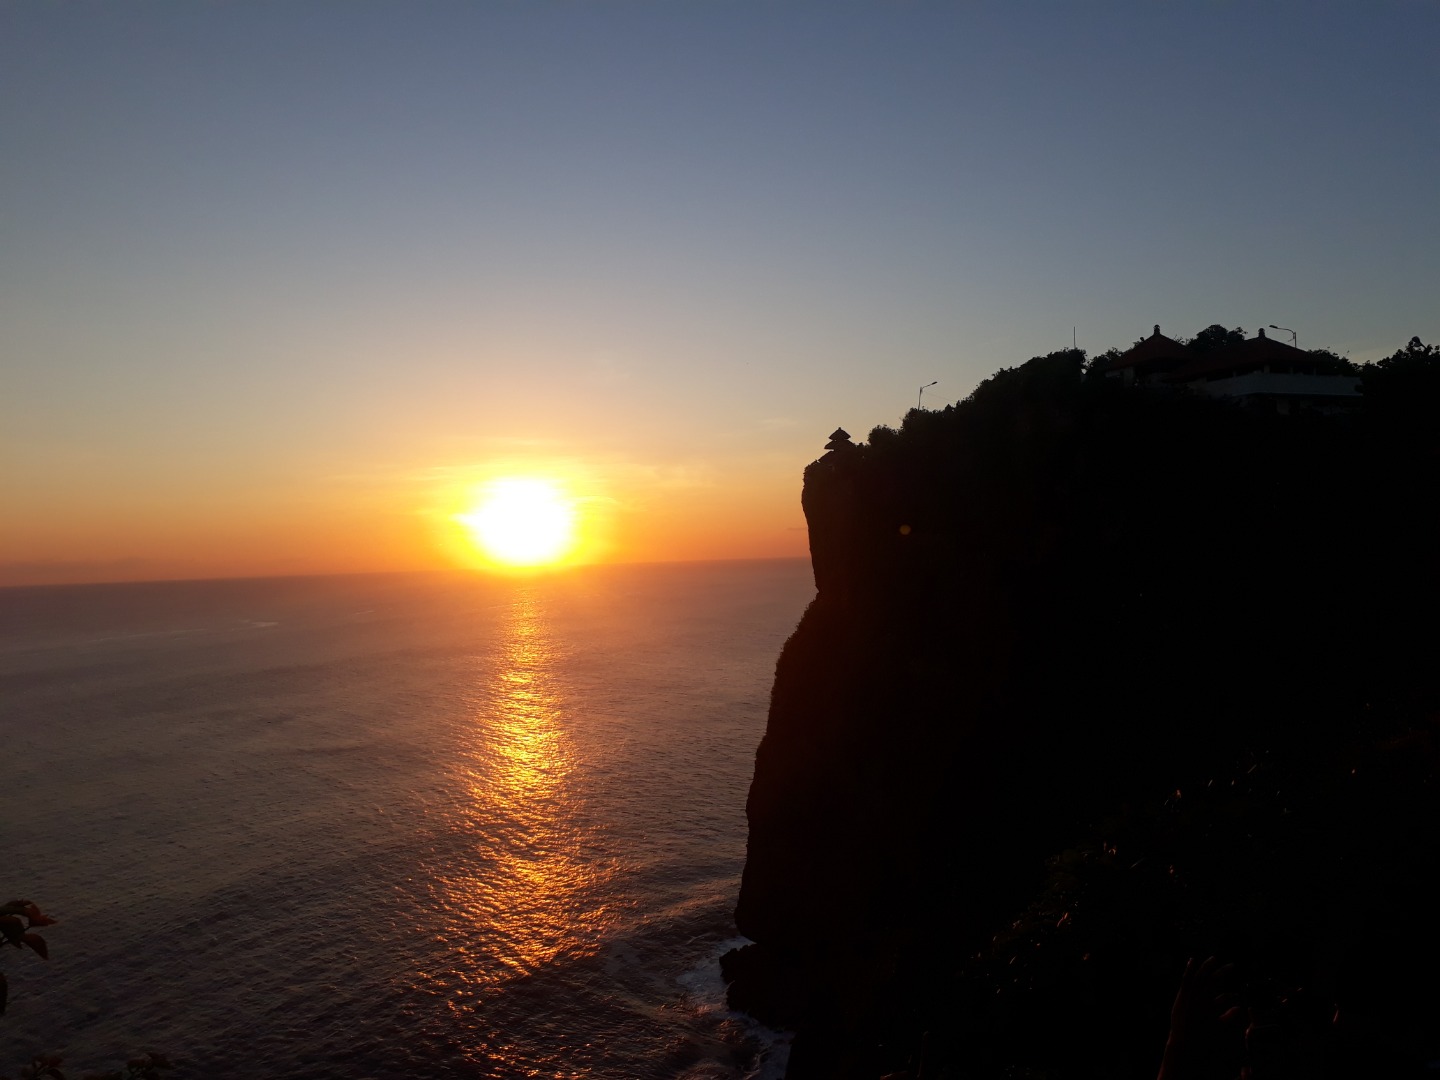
{"points": [[522, 522]]}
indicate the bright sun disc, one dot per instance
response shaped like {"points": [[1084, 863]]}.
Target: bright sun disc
{"points": [[521, 522]]}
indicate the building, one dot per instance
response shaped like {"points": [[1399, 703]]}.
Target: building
{"points": [[1261, 373]]}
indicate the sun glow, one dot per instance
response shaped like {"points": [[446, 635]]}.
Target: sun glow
{"points": [[522, 522]]}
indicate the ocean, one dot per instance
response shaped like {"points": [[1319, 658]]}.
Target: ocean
{"points": [[433, 825]]}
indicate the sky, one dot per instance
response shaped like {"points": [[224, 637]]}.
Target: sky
{"points": [[283, 282]]}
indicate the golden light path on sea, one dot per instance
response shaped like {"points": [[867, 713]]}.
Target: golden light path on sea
{"points": [[525, 894]]}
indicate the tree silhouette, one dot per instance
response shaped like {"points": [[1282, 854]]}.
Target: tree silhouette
{"points": [[1411, 373], [1214, 336]]}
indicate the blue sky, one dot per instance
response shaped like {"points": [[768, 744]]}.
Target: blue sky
{"points": [[258, 258]]}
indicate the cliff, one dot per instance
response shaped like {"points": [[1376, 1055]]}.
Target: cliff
{"points": [[1049, 621]]}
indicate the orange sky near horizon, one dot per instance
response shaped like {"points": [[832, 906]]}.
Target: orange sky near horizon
{"points": [[401, 524], [281, 284]]}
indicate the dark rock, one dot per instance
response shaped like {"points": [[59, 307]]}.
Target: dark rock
{"points": [[1039, 613], [766, 986]]}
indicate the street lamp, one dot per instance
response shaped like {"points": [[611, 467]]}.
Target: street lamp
{"points": [[922, 392], [1294, 338]]}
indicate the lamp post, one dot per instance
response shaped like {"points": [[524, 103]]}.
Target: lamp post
{"points": [[1294, 337], [922, 392]]}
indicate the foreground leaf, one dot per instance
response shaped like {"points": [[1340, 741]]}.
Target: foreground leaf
{"points": [[12, 929]]}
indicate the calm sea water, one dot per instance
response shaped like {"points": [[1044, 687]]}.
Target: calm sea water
{"points": [[388, 826]]}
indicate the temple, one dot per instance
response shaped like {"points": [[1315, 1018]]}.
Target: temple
{"points": [[1261, 373]]}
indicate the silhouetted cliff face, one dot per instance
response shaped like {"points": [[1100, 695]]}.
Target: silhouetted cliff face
{"points": [[1035, 610]]}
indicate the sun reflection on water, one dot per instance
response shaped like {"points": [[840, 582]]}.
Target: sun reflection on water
{"points": [[525, 892]]}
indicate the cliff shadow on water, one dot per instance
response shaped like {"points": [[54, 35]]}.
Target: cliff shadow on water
{"points": [[1098, 679]]}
